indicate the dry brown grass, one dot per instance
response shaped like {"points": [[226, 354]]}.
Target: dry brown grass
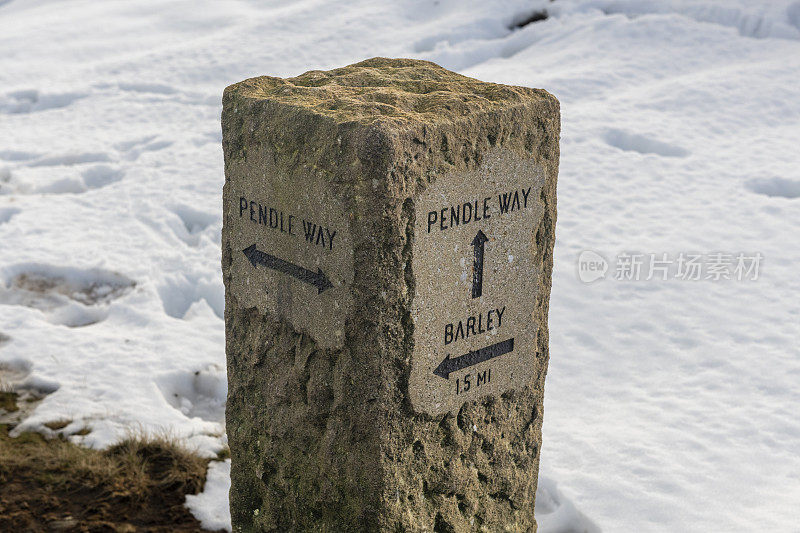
{"points": [[224, 453], [55, 425], [8, 400], [140, 483]]}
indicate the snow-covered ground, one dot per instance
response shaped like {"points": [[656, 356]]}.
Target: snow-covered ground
{"points": [[671, 404]]}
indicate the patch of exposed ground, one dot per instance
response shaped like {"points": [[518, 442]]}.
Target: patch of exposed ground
{"points": [[137, 485]]}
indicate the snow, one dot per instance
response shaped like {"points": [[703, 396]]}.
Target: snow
{"points": [[210, 507], [670, 404]]}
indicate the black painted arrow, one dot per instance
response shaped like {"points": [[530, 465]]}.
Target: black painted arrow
{"points": [[317, 279], [473, 358], [477, 267]]}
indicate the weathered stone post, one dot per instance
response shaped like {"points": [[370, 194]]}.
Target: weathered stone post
{"points": [[387, 254]]}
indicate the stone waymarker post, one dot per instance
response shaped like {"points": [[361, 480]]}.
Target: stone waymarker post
{"points": [[387, 252]]}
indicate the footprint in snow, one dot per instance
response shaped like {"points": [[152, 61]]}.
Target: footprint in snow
{"points": [[554, 512], [634, 142], [67, 296], [480, 31], [751, 25], [132, 149], [150, 88], [183, 295], [199, 394], [7, 213], [793, 12], [31, 100], [214, 136], [6, 181], [73, 175], [774, 187], [28, 391], [191, 224], [17, 155], [69, 159]]}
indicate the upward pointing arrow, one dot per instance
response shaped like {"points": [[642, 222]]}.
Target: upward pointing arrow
{"points": [[317, 279], [477, 267]]}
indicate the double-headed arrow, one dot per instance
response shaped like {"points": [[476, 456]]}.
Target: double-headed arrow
{"points": [[317, 279], [449, 365]]}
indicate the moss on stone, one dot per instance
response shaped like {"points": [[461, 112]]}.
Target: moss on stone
{"points": [[395, 90]]}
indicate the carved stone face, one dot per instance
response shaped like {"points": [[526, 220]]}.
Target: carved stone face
{"points": [[476, 280]]}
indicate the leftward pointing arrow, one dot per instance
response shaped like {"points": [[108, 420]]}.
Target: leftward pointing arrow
{"points": [[318, 279], [449, 365]]}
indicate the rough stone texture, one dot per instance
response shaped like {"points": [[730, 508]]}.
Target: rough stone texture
{"points": [[323, 435]]}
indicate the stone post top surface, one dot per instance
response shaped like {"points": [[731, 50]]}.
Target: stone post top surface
{"points": [[399, 91]]}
